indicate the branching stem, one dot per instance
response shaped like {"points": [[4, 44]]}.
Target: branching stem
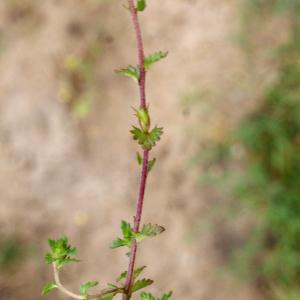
{"points": [[61, 287], [77, 296]]}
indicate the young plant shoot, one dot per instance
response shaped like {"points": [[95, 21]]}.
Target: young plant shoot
{"points": [[130, 281]]}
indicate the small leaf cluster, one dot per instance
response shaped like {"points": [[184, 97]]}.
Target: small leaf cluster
{"points": [[148, 230], [62, 253], [48, 288], [135, 72], [149, 296], [147, 139], [86, 286], [141, 284]]}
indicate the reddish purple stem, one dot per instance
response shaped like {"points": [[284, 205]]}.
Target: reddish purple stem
{"points": [[139, 208], [140, 50]]}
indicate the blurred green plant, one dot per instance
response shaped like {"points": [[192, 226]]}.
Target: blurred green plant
{"points": [[270, 137], [78, 81], [269, 181], [12, 253]]}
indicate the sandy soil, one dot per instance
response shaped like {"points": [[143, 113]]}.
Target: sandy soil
{"points": [[79, 178]]}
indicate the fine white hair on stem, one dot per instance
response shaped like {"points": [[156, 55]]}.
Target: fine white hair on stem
{"points": [[61, 287]]}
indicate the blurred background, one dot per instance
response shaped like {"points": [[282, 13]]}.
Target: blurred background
{"points": [[226, 183]]}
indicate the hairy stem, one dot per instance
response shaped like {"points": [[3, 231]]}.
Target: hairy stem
{"points": [[139, 209], [140, 50], [77, 296], [61, 287]]}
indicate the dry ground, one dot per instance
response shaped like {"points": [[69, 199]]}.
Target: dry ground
{"points": [[79, 178]]}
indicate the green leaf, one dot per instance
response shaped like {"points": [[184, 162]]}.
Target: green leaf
{"points": [[120, 243], [153, 58], [131, 72], [122, 276], [126, 230], [155, 134], [147, 139], [62, 252], [167, 296], [141, 5], [61, 262], [143, 117], [147, 296], [151, 164], [49, 258], [140, 284], [48, 288], [127, 236], [150, 230], [84, 287], [110, 296], [136, 273], [139, 159], [107, 296], [52, 244]]}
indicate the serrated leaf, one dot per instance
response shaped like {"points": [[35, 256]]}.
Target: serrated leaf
{"points": [[136, 273], [166, 296], [126, 230], [49, 258], [141, 5], [62, 252], [48, 288], [127, 236], [120, 243], [140, 284], [131, 72], [122, 276], [150, 230], [147, 296], [84, 287], [52, 244], [155, 134], [147, 139], [153, 58]]}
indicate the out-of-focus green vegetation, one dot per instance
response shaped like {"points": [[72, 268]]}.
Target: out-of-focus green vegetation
{"points": [[270, 137], [78, 81], [12, 252], [269, 181]]}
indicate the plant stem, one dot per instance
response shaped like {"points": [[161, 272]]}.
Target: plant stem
{"points": [[61, 287], [137, 221], [140, 50], [139, 208], [77, 296]]}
